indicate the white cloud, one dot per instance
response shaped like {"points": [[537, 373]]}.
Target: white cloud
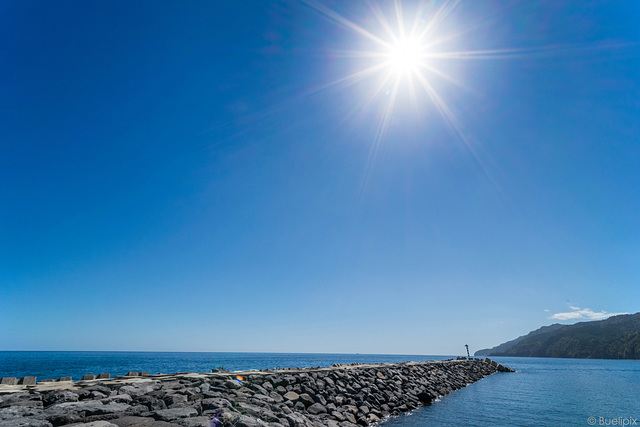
{"points": [[583, 313]]}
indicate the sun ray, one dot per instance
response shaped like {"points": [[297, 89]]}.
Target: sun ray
{"points": [[342, 20], [380, 132], [384, 23], [350, 79], [445, 9], [404, 53]]}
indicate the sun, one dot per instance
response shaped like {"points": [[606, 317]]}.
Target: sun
{"points": [[405, 56]]}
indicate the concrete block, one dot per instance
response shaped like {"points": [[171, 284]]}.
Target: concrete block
{"points": [[132, 374], [27, 381], [9, 381], [104, 376], [88, 377], [65, 379]]}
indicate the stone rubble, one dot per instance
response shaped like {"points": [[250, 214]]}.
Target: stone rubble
{"points": [[339, 396]]}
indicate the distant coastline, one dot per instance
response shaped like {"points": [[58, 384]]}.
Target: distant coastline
{"points": [[617, 337]]}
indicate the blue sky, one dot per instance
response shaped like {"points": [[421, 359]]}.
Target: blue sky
{"points": [[205, 177]]}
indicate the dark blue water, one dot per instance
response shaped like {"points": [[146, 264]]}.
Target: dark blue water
{"points": [[56, 364], [544, 392]]}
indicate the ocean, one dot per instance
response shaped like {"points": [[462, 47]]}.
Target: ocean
{"points": [[543, 392]]}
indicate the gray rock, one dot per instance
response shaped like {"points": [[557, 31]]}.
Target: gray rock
{"points": [[118, 398], [88, 407], [232, 384], [196, 422], [306, 399], [320, 399], [95, 424], [276, 397], [25, 422], [338, 416], [137, 389], [215, 403], [60, 397], [64, 419], [174, 414], [18, 412], [317, 408], [35, 404], [245, 421], [137, 410], [141, 422], [175, 398], [151, 402], [291, 395], [350, 417]]}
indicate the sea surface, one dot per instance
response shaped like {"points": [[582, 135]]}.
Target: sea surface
{"points": [[543, 392]]}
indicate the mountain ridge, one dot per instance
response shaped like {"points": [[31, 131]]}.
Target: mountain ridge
{"points": [[617, 337]]}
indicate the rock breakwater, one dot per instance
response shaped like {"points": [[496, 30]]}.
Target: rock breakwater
{"points": [[338, 396]]}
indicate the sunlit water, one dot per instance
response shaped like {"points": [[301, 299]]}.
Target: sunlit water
{"points": [[543, 392]]}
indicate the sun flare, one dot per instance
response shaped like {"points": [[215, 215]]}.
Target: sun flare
{"points": [[405, 56]]}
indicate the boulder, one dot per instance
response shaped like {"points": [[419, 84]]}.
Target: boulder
{"points": [[95, 424], [245, 421], [86, 407], [306, 399], [59, 397], [118, 398], [291, 395], [64, 419], [18, 412], [132, 421], [196, 422], [26, 422], [136, 389], [174, 414], [316, 409]]}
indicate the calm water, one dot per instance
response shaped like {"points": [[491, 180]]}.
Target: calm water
{"points": [[56, 364], [544, 392]]}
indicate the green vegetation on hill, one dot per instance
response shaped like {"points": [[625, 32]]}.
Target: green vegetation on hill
{"points": [[617, 337]]}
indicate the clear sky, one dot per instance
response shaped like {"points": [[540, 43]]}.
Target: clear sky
{"points": [[286, 176]]}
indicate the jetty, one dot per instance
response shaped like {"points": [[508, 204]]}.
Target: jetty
{"points": [[337, 396]]}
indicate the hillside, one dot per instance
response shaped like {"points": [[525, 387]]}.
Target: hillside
{"points": [[617, 337]]}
